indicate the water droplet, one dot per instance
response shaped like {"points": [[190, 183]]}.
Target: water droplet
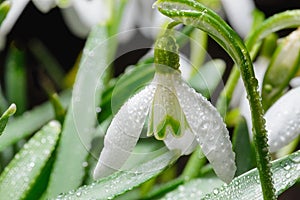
{"points": [[78, 194], [287, 167], [216, 191]]}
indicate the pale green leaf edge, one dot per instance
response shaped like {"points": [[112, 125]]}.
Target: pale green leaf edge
{"points": [[286, 172], [122, 181]]}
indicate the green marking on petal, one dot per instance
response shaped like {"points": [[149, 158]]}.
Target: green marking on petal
{"points": [[163, 125]]}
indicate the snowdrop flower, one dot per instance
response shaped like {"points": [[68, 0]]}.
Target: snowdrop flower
{"points": [[81, 15], [283, 120], [176, 114], [239, 14]]}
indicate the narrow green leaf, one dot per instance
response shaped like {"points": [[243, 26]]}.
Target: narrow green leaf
{"points": [[3, 101], [198, 41], [283, 67], [194, 189], [47, 61], [5, 116], [4, 8], [208, 77], [58, 107], [24, 125], [15, 78], [122, 181], [80, 122], [244, 152], [286, 172], [23, 171]]}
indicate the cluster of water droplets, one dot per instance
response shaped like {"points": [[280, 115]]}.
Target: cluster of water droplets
{"points": [[209, 129], [195, 189], [26, 166], [122, 181], [283, 120], [122, 135]]}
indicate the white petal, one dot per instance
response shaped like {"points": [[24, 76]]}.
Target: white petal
{"points": [[283, 120], [92, 12], [15, 11], [73, 22], [44, 5], [209, 129], [239, 13], [186, 144], [123, 133]]}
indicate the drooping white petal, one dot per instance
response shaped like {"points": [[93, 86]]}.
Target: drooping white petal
{"points": [[283, 120], [239, 13], [209, 129], [123, 133], [186, 143], [15, 11], [44, 5]]}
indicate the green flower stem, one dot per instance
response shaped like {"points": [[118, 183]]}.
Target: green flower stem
{"points": [[196, 162], [275, 23], [190, 12]]}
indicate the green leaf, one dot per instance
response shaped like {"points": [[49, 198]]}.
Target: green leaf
{"points": [[79, 125], [208, 77], [5, 116], [198, 42], [244, 152], [23, 171], [3, 101], [283, 67], [122, 88], [47, 62], [286, 172], [122, 181], [24, 125], [15, 78], [4, 8], [194, 189]]}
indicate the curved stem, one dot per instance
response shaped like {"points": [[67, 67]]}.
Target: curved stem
{"points": [[190, 12]]}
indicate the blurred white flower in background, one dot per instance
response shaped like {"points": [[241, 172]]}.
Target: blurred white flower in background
{"points": [[80, 15], [283, 117], [140, 14], [239, 14]]}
